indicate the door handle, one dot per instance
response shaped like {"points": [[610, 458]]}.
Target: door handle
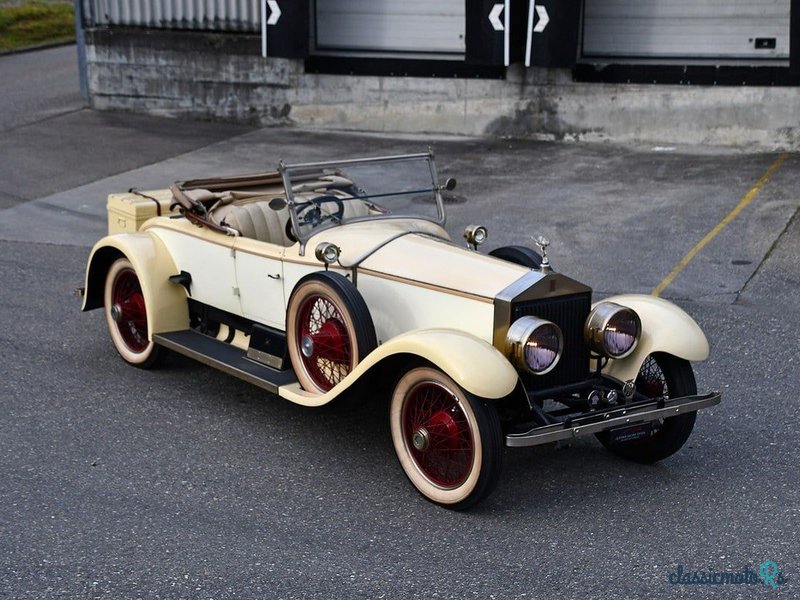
{"points": [[278, 276]]}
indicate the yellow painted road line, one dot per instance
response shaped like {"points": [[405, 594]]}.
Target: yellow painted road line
{"points": [[720, 226]]}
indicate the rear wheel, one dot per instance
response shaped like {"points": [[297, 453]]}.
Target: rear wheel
{"points": [[126, 314], [661, 375], [449, 442]]}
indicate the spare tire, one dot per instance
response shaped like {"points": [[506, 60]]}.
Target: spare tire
{"points": [[519, 255], [328, 330]]}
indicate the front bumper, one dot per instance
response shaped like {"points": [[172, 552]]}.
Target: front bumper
{"points": [[620, 416]]}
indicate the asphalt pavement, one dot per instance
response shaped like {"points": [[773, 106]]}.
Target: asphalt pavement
{"points": [[50, 142], [186, 483]]}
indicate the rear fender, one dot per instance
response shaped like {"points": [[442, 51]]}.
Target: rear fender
{"points": [[167, 309], [665, 328], [474, 364]]}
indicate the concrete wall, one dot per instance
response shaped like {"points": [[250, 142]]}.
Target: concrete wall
{"points": [[219, 76]]}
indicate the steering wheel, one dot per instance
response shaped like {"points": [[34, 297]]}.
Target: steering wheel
{"points": [[310, 213]]}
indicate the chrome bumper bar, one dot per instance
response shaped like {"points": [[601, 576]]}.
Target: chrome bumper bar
{"points": [[609, 419]]}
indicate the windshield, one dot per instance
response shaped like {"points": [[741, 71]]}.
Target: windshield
{"points": [[327, 194]]}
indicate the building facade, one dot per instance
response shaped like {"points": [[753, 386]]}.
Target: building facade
{"points": [[703, 71]]}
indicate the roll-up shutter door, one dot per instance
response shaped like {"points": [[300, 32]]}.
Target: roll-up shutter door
{"points": [[384, 26], [686, 29]]}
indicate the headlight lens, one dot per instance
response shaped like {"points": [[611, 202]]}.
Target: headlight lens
{"points": [[612, 330], [534, 344]]}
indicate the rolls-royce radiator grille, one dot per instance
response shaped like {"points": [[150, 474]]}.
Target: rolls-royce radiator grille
{"points": [[569, 313]]}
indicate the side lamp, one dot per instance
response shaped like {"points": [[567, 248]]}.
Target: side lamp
{"points": [[475, 236]]}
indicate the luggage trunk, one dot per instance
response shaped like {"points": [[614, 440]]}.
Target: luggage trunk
{"points": [[128, 211]]}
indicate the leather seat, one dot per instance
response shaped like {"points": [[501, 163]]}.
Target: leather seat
{"points": [[256, 220]]}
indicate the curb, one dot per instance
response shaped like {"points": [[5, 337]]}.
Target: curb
{"points": [[42, 46]]}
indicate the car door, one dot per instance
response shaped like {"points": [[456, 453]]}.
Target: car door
{"points": [[208, 257], [259, 273]]}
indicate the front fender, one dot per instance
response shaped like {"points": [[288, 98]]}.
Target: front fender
{"points": [[665, 328], [167, 309], [474, 364]]}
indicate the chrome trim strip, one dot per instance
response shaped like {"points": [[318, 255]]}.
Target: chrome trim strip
{"points": [[613, 418], [427, 286]]}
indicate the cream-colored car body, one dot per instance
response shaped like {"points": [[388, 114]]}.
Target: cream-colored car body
{"points": [[416, 281], [427, 296], [152, 260], [476, 365], [665, 328], [413, 282]]}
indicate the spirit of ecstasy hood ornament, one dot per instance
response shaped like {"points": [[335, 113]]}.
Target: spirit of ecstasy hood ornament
{"points": [[542, 242]]}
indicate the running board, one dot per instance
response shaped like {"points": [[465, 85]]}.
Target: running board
{"points": [[228, 359]]}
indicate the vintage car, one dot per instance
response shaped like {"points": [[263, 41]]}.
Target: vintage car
{"points": [[331, 280]]}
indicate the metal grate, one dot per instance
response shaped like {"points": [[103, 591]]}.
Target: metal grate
{"points": [[569, 313], [213, 15]]}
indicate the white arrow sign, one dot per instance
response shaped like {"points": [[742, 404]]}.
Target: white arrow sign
{"points": [[275, 12], [544, 19], [494, 17]]}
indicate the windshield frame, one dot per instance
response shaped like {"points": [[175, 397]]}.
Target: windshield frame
{"points": [[287, 171]]}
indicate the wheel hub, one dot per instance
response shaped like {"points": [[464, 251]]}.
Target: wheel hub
{"points": [[116, 313], [307, 346], [421, 439]]}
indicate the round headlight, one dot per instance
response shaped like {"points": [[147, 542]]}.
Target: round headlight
{"points": [[612, 330], [327, 252], [534, 344]]}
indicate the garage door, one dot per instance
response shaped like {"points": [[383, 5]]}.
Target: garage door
{"points": [[383, 26], [703, 29]]}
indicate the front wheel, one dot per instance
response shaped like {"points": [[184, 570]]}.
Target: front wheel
{"points": [[661, 375], [449, 442]]}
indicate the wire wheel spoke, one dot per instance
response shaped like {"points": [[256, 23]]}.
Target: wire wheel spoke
{"points": [[651, 380], [128, 298], [438, 434], [327, 354]]}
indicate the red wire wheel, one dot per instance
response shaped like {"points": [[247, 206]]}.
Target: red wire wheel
{"points": [[449, 443], [328, 330], [126, 314], [438, 435]]}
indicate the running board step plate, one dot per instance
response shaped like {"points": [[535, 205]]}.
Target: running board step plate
{"points": [[228, 359]]}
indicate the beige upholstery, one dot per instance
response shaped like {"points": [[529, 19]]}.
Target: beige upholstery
{"points": [[258, 221]]}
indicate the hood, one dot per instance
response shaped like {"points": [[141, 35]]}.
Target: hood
{"points": [[414, 250]]}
